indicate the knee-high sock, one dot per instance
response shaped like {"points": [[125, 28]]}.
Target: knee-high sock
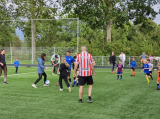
{"points": [[117, 76], [134, 73], [147, 79], [121, 76], [131, 72]]}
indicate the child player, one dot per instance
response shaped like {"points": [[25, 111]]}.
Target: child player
{"points": [[150, 68], [63, 74], [133, 66], [146, 70], [158, 78], [119, 69], [16, 64]]}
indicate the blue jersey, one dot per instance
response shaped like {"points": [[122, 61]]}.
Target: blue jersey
{"points": [[133, 64], [16, 63], [69, 60], [146, 66]]}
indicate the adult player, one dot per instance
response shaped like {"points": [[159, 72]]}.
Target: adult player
{"points": [[122, 57], [53, 59], [69, 60], [143, 58], [112, 61], [85, 62], [3, 65]]}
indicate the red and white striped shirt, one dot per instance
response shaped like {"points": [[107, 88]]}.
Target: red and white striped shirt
{"points": [[84, 60]]}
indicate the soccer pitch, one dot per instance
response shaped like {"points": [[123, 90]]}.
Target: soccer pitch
{"points": [[131, 98]]}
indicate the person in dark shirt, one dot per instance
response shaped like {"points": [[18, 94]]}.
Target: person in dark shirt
{"points": [[3, 65], [112, 60], [63, 74]]}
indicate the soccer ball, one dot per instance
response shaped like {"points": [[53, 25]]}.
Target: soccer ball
{"points": [[155, 69], [47, 82]]}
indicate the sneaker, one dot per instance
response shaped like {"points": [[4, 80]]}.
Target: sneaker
{"points": [[121, 79], [57, 84], [58, 73], [15, 73], [45, 85], [69, 89], [131, 75], [117, 78], [89, 100], [80, 101], [5, 83], [53, 74], [113, 71], [61, 89], [34, 86]]}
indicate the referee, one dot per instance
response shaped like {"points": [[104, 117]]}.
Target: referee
{"points": [[86, 63]]}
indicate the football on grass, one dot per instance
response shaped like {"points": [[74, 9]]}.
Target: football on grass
{"points": [[47, 82]]}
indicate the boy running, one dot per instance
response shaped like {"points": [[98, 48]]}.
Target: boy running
{"points": [[158, 78], [133, 66], [146, 70], [119, 69], [150, 68], [16, 64]]}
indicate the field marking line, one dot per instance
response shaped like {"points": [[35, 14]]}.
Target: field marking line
{"points": [[19, 74]]}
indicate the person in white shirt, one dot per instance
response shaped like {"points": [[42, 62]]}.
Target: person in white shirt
{"points": [[53, 59], [150, 68], [122, 57]]}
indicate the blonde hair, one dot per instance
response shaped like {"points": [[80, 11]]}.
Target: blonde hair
{"points": [[145, 60], [63, 58]]}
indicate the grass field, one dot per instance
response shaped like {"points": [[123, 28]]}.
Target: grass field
{"points": [[131, 98]]}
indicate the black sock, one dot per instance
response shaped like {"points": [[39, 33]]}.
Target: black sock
{"points": [[121, 76], [151, 76], [118, 76], [80, 99], [89, 97], [74, 78], [69, 79]]}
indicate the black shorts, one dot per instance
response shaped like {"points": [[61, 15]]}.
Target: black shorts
{"points": [[133, 68], [83, 80], [150, 72], [69, 72]]}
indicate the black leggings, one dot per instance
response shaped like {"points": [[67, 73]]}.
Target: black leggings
{"points": [[16, 69], [65, 79], [5, 71], [40, 77]]}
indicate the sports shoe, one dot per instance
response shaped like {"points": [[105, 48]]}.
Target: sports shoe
{"points": [[89, 100], [45, 85], [61, 89], [58, 73], [148, 82], [57, 84], [121, 79], [69, 89], [80, 101], [34, 86], [117, 78], [131, 75], [77, 85], [53, 74], [5, 83]]}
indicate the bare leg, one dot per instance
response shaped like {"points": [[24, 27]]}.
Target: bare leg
{"points": [[80, 92], [90, 90]]}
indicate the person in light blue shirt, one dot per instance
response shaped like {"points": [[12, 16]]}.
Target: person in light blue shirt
{"points": [[16, 64], [143, 58], [40, 70], [69, 60], [133, 67]]}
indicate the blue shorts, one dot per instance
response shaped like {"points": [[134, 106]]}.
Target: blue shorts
{"points": [[119, 72]]}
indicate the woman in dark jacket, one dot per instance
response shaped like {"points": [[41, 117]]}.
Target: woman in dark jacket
{"points": [[112, 60]]}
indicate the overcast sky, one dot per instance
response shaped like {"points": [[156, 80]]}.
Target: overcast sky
{"points": [[157, 20]]}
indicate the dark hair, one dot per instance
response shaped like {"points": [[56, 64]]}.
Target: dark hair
{"points": [[43, 55], [68, 51], [1, 50], [120, 60], [148, 60], [121, 51], [56, 56]]}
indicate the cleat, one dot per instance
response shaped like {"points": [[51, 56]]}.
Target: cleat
{"points": [[57, 84], [157, 88], [89, 100], [131, 75], [34, 86], [61, 89], [53, 74], [69, 89], [80, 101], [117, 78], [45, 85], [121, 79], [5, 83]]}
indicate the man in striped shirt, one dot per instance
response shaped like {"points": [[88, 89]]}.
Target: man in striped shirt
{"points": [[86, 63]]}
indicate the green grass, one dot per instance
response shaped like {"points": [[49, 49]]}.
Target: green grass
{"points": [[131, 98]]}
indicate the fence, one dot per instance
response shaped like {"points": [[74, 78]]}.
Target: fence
{"points": [[24, 54]]}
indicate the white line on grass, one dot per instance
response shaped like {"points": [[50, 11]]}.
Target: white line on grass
{"points": [[20, 74]]}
